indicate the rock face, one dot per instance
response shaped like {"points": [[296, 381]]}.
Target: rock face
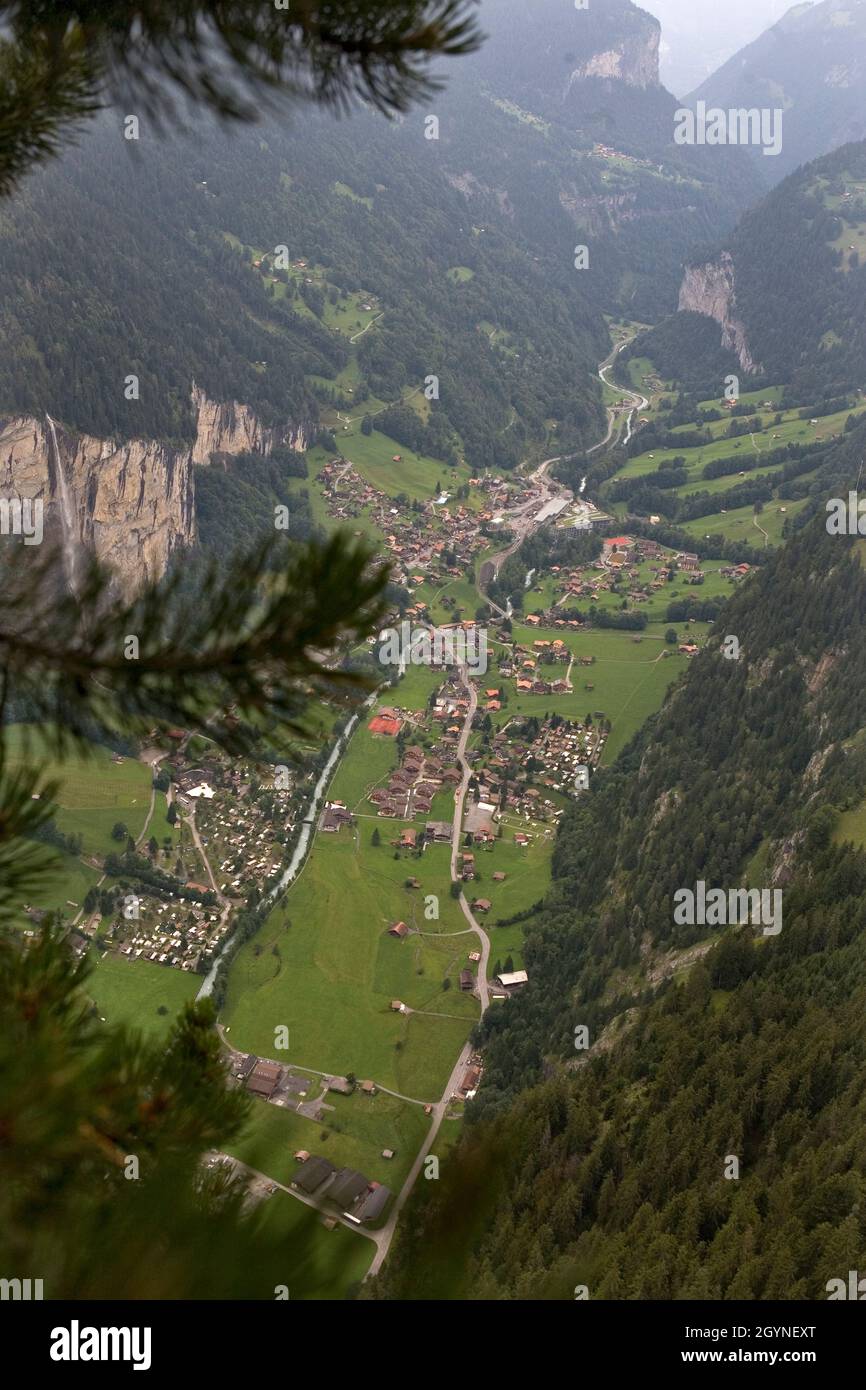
{"points": [[227, 427], [132, 501], [709, 289], [634, 61]]}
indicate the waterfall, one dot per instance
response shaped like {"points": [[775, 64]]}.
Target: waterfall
{"points": [[67, 515]]}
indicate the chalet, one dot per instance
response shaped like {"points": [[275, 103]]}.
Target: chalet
{"points": [[384, 724], [398, 929], [264, 1079], [312, 1174], [372, 1206], [439, 830], [512, 979], [397, 1006], [470, 1081], [340, 1084], [481, 905], [467, 980], [408, 839], [347, 1187]]}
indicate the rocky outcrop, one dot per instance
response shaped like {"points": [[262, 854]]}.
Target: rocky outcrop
{"points": [[709, 289], [227, 427], [634, 60], [131, 501]]}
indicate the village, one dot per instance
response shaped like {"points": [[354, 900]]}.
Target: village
{"points": [[174, 904], [441, 540]]}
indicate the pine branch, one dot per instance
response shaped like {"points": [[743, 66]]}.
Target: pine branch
{"points": [[248, 643], [63, 59]]}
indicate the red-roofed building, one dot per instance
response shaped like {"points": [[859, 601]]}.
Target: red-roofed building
{"points": [[384, 724]]}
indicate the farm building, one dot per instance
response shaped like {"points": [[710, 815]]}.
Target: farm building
{"points": [[312, 1174], [512, 979], [264, 1078], [375, 1202], [347, 1185]]}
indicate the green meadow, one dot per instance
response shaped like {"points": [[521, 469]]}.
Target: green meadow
{"points": [[628, 679], [352, 1134], [320, 1264], [132, 992], [64, 886], [95, 793], [325, 966], [415, 476]]}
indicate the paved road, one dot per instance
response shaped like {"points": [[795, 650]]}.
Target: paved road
{"points": [[459, 798], [239, 1166], [638, 402]]}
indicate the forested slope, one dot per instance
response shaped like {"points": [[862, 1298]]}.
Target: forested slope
{"points": [[798, 264]]}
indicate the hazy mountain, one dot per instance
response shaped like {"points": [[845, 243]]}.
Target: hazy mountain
{"points": [[698, 36], [811, 65]]}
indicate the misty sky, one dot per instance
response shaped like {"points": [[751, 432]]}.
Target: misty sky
{"points": [[699, 35]]}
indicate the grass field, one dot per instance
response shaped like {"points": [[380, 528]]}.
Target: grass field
{"points": [[415, 476], [65, 883], [320, 1264], [740, 523], [94, 793], [852, 826], [629, 679], [792, 430], [325, 966], [133, 992], [352, 1135]]}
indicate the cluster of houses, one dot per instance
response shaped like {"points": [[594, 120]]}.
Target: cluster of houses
{"points": [[177, 933], [413, 785], [618, 565], [357, 1198], [449, 535], [522, 665], [560, 747], [239, 832], [334, 816], [238, 829]]}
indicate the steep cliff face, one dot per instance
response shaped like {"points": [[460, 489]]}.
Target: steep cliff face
{"points": [[634, 60], [709, 289], [133, 502], [228, 427]]}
